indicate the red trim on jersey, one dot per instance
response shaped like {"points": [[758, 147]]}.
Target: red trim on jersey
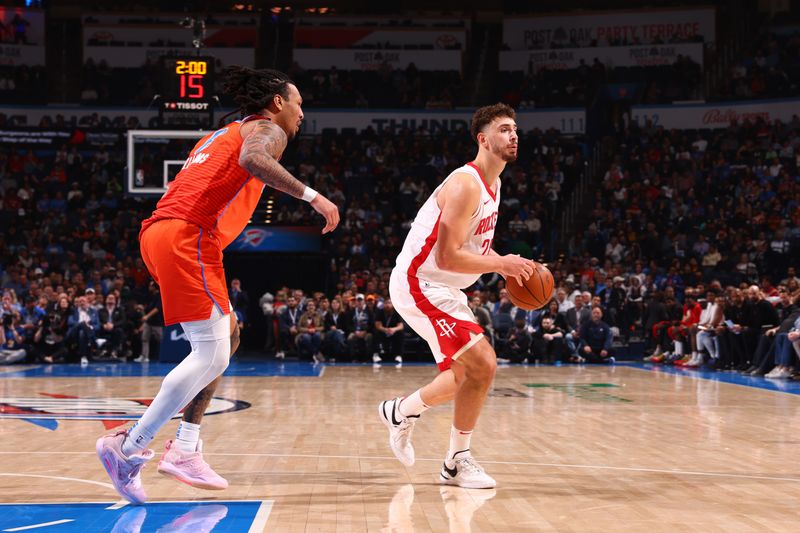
{"points": [[486, 185], [455, 333]]}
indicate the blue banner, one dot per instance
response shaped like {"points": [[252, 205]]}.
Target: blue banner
{"points": [[277, 239], [174, 345]]}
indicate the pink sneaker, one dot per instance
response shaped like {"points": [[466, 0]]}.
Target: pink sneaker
{"points": [[190, 468], [125, 472]]}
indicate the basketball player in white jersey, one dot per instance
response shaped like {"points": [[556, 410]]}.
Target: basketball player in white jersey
{"points": [[447, 249]]}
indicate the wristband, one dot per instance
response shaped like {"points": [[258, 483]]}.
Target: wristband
{"points": [[309, 194]]}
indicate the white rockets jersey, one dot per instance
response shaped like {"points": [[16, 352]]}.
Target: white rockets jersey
{"points": [[418, 257]]}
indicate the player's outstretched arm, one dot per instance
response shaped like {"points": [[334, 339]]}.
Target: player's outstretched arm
{"points": [[260, 150], [458, 200]]}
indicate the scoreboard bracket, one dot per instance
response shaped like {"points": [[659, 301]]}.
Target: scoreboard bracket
{"points": [[187, 94]]}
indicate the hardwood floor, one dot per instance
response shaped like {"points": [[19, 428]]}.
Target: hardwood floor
{"points": [[572, 448]]}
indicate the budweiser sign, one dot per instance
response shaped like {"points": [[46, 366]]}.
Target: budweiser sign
{"points": [[714, 116], [723, 117]]}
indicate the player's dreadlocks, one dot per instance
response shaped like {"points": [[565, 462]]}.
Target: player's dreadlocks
{"points": [[252, 89]]}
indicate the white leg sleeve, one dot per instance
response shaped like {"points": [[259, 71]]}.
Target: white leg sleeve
{"points": [[211, 350]]}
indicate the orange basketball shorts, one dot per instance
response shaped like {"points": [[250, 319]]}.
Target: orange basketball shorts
{"points": [[186, 262]]}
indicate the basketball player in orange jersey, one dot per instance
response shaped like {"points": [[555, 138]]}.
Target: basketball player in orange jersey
{"points": [[447, 248], [206, 207]]}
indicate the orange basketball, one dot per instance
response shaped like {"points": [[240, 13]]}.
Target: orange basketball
{"points": [[535, 292]]}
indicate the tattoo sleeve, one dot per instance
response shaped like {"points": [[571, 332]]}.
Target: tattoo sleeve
{"points": [[258, 156], [197, 407]]}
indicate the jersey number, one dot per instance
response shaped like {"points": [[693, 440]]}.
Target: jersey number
{"points": [[486, 246], [210, 140]]}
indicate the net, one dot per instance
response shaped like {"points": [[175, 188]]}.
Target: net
{"points": [[155, 157]]}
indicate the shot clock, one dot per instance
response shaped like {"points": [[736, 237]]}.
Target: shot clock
{"points": [[187, 91]]}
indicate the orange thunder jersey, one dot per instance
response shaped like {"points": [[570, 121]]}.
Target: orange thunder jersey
{"points": [[212, 190]]}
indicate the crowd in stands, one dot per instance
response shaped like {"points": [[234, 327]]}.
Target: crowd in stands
{"points": [[384, 87], [23, 84], [734, 328], [70, 270], [770, 69], [15, 29], [701, 231], [381, 88], [691, 243], [579, 86], [561, 39]]}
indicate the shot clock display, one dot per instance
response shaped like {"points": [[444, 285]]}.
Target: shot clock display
{"points": [[187, 91], [189, 79]]}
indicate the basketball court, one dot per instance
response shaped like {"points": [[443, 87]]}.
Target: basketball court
{"points": [[573, 448]]}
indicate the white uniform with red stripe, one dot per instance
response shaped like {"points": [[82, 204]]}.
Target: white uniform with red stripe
{"points": [[429, 298]]}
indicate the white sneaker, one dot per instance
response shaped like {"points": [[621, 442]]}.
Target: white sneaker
{"points": [[376, 358], [503, 361], [400, 430], [779, 373], [464, 471], [141, 359], [696, 360], [280, 355], [84, 361], [398, 359]]}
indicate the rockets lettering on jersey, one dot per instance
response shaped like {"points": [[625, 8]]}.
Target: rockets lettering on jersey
{"points": [[418, 257], [486, 224]]}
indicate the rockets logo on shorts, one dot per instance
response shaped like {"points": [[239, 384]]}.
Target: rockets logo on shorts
{"points": [[447, 330]]}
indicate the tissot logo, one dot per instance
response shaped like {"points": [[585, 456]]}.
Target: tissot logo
{"points": [[112, 412]]}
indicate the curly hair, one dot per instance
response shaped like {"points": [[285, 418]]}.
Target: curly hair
{"points": [[253, 90], [485, 115]]}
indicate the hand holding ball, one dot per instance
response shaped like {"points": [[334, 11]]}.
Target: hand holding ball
{"points": [[533, 293]]}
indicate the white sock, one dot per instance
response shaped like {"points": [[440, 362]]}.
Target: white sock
{"points": [[459, 441], [137, 440], [187, 437], [679, 347], [412, 405], [211, 349]]}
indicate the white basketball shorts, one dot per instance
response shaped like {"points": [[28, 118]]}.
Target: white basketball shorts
{"points": [[439, 314]]}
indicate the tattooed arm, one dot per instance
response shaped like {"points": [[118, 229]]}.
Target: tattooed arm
{"points": [[259, 156]]}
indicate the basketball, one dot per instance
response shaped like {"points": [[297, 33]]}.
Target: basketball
{"points": [[533, 293]]}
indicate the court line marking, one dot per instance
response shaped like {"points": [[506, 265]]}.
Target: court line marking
{"points": [[119, 505], [60, 478], [43, 524], [261, 517], [438, 460], [695, 374]]}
